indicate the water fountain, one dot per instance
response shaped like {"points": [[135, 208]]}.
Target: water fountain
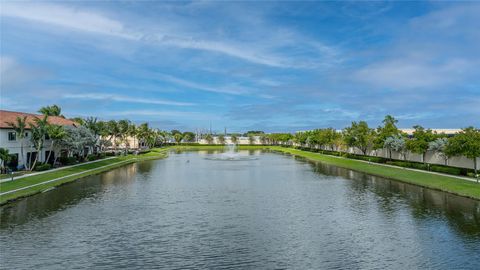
{"points": [[230, 154]]}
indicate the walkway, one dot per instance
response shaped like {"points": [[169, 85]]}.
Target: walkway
{"points": [[66, 176], [52, 170]]}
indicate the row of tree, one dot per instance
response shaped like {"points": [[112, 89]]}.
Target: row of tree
{"points": [[89, 136], [387, 136]]}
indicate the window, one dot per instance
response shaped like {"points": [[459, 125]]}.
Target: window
{"points": [[12, 136]]}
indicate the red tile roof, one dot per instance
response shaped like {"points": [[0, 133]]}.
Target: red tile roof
{"points": [[7, 116]]}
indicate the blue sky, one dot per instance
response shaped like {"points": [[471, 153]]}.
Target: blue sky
{"points": [[273, 66]]}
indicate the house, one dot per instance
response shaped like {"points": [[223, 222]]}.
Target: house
{"points": [[10, 141]]}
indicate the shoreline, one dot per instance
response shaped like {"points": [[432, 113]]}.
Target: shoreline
{"points": [[30, 185]]}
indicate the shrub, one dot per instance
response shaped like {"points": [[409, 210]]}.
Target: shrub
{"points": [[67, 160], [43, 167], [444, 169], [91, 157]]}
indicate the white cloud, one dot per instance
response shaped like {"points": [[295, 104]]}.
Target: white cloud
{"points": [[256, 52], [120, 98], [190, 115], [413, 73], [65, 17]]}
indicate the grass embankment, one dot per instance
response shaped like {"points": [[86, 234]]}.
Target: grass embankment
{"points": [[434, 181], [70, 174]]}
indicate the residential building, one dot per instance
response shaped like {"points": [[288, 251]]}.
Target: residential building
{"points": [[10, 141]]}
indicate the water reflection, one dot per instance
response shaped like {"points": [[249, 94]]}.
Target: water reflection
{"points": [[70, 194], [463, 213], [274, 212]]}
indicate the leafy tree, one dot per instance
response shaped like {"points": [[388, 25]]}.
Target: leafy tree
{"points": [[77, 140], [467, 143], [53, 110], [178, 137], [388, 129], [396, 143], [439, 146], [420, 141], [20, 126], [301, 137], [188, 136], [359, 135]]}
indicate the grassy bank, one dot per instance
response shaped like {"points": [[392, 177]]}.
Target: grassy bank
{"points": [[434, 181], [70, 174]]}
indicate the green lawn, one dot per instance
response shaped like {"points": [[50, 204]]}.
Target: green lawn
{"points": [[35, 179], [440, 182], [15, 174]]}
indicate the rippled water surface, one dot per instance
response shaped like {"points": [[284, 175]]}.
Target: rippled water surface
{"points": [[272, 212]]}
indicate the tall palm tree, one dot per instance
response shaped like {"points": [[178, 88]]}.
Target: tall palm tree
{"points": [[123, 131], [39, 131], [20, 126], [133, 132], [56, 133], [113, 131], [53, 110]]}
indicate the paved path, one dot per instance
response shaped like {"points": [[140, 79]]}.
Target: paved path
{"points": [[63, 177], [53, 170]]}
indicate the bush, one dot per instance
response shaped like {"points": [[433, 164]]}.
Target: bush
{"points": [[91, 157], [444, 169], [43, 167], [67, 160]]}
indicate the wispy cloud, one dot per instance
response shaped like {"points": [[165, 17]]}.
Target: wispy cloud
{"points": [[97, 23], [129, 99], [192, 115]]}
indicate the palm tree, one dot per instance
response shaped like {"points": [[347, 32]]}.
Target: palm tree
{"points": [[4, 158], [20, 126], [234, 139], [221, 139], [178, 137], [133, 132], [113, 131], [123, 132], [53, 110], [209, 138], [39, 130], [56, 133]]}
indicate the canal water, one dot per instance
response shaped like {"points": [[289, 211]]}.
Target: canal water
{"points": [[269, 212]]}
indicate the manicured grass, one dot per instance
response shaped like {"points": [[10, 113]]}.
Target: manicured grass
{"points": [[15, 174], [439, 182], [31, 180]]}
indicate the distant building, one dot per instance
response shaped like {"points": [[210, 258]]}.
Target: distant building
{"points": [[10, 141], [448, 132]]}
